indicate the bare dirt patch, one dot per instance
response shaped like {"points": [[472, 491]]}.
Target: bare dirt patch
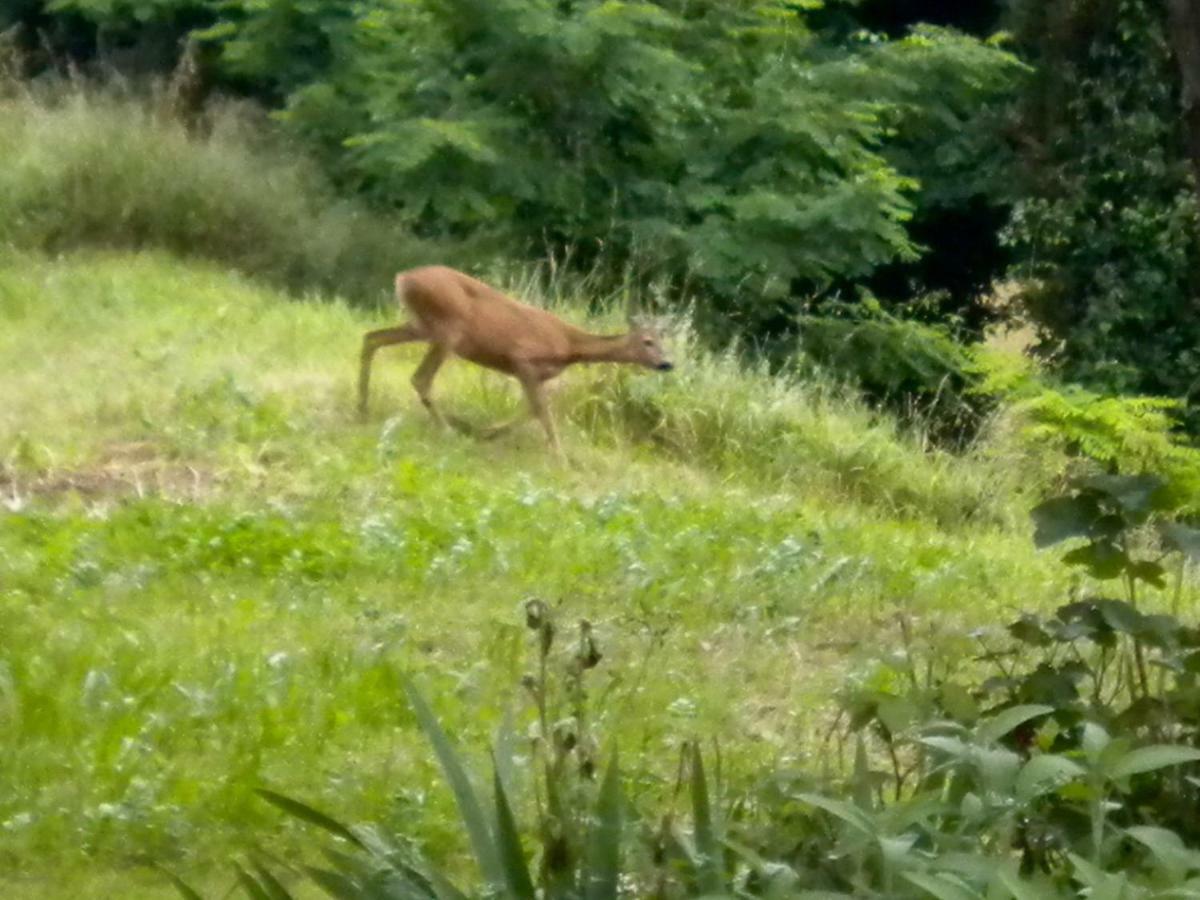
{"points": [[135, 469]]}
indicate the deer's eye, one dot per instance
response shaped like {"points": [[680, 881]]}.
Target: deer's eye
{"points": [[648, 342]]}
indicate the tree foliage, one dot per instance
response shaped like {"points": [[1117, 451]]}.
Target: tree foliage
{"points": [[725, 143], [1107, 228], [746, 150]]}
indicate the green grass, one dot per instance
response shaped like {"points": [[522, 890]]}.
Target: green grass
{"points": [[212, 575]]}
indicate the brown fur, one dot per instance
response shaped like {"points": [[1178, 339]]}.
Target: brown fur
{"points": [[460, 316]]}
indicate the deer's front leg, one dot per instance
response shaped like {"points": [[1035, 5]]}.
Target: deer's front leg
{"points": [[535, 393]]}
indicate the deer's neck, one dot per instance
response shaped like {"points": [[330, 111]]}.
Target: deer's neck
{"points": [[588, 348]]}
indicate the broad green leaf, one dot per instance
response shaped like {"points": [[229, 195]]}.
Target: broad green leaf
{"points": [[1021, 888], [1150, 572], [969, 865], [1121, 616], [897, 850], [486, 854], [998, 768], [942, 887], [1095, 741], [1135, 493], [1045, 773], [971, 808], [1103, 559], [310, 815], [958, 703], [1183, 892], [1183, 539], [1100, 884], [1168, 849], [994, 728], [1148, 759], [1030, 629], [604, 840], [781, 881], [851, 815], [951, 746], [897, 713], [508, 843], [1061, 518]]}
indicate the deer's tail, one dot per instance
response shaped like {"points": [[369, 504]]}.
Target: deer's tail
{"points": [[401, 289]]}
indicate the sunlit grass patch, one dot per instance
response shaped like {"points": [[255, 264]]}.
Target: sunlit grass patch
{"points": [[167, 643]]}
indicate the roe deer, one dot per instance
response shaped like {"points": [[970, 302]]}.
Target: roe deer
{"points": [[460, 316]]}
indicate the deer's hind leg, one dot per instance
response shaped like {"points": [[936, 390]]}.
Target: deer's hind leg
{"points": [[422, 380], [372, 341], [494, 431]]}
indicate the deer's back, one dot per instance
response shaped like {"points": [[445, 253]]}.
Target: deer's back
{"points": [[478, 322]]}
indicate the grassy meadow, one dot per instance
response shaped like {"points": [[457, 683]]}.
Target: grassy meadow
{"points": [[213, 574]]}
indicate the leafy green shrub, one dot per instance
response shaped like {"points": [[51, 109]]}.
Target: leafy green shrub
{"points": [[1105, 232], [1120, 434], [103, 168], [919, 371], [789, 427], [1073, 770]]}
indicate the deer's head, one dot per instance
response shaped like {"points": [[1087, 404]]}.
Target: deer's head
{"points": [[645, 347]]}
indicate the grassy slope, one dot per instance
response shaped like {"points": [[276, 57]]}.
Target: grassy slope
{"points": [[211, 574]]}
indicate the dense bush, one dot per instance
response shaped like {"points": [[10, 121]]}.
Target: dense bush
{"points": [[1089, 430], [918, 371], [1106, 230]]}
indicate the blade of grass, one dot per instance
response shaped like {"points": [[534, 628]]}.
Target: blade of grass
{"points": [[250, 884], [711, 856], [604, 842], [336, 885], [185, 890], [382, 879], [308, 814], [272, 885], [469, 807], [508, 841]]}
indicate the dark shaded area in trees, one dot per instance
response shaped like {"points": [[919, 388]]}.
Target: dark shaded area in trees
{"points": [[132, 45], [964, 259], [896, 17]]}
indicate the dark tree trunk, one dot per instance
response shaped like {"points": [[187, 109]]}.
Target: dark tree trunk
{"points": [[1185, 40]]}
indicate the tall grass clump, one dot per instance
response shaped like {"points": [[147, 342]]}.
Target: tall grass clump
{"points": [[108, 167], [796, 430], [812, 436]]}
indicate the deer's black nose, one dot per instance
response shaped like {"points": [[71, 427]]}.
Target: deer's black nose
{"points": [[665, 366]]}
